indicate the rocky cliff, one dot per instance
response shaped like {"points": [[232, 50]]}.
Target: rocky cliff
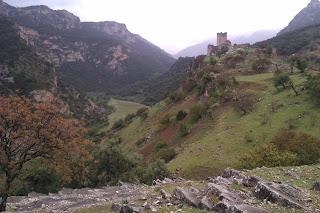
{"points": [[92, 57]]}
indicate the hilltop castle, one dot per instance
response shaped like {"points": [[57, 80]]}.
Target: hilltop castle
{"points": [[222, 44]]}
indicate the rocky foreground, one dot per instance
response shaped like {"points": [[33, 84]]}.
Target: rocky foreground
{"points": [[233, 191]]}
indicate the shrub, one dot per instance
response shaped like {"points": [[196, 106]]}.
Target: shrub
{"points": [[142, 113], [165, 121], [166, 154], [129, 118], [156, 170], [175, 97], [181, 115], [285, 81], [183, 130], [288, 148], [120, 124], [313, 87], [196, 112], [245, 103], [266, 155], [302, 65], [161, 145], [304, 146], [281, 80]]}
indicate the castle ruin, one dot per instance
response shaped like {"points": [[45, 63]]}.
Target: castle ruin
{"points": [[222, 39], [223, 44]]}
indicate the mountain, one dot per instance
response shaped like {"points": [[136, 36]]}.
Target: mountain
{"points": [[201, 48], [92, 57], [153, 90], [299, 41], [309, 16]]}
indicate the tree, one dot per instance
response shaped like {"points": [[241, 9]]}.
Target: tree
{"points": [[285, 81], [302, 65], [281, 80], [245, 102], [35, 130], [313, 87]]}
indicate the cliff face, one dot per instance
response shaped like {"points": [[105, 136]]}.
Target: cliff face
{"points": [[92, 57], [309, 16]]}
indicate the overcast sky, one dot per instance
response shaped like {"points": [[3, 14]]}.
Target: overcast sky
{"points": [[176, 24]]}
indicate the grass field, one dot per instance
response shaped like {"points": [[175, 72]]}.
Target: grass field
{"points": [[122, 109], [216, 144]]}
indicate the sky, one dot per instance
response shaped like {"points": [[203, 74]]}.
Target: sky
{"points": [[176, 24]]}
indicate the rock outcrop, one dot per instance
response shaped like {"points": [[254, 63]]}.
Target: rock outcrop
{"points": [[220, 195]]}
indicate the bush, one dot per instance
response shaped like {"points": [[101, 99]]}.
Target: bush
{"points": [[129, 118], [142, 113], [196, 112], [267, 155], [165, 121], [156, 170], [288, 148], [183, 130], [161, 145], [313, 87], [281, 80], [181, 115], [302, 65], [245, 103], [120, 124], [304, 146], [166, 154], [111, 164]]}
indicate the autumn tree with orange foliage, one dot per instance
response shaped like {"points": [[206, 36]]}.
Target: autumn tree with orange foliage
{"points": [[31, 130]]}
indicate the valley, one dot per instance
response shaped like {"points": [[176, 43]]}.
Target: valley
{"points": [[95, 118]]}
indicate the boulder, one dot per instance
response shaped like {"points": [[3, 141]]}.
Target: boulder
{"points": [[281, 194], [224, 193], [240, 177], [187, 196], [226, 206], [164, 194], [316, 186], [206, 204], [129, 209], [116, 207]]}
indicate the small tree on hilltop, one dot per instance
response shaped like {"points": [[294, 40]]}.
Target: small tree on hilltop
{"points": [[245, 102], [285, 81], [302, 65], [34, 130], [313, 87]]}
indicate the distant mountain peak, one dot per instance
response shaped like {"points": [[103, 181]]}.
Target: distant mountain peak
{"points": [[309, 16]]}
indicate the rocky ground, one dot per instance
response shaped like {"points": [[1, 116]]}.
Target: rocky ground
{"points": [[233, 191]]}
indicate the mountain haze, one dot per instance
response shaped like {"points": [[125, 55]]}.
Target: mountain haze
{"points": [[201, 48]]}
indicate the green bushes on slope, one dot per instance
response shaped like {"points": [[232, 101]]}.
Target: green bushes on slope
{"points": [[288, 148]]}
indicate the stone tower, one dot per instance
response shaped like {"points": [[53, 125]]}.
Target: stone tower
{"points": [[222, 39]]}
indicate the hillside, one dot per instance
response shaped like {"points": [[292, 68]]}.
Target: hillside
{"points": [[309, 16], [215, 127], [92, 57]]}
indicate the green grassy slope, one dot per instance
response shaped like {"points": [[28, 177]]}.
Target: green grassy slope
{"points": [[217, 143]]}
